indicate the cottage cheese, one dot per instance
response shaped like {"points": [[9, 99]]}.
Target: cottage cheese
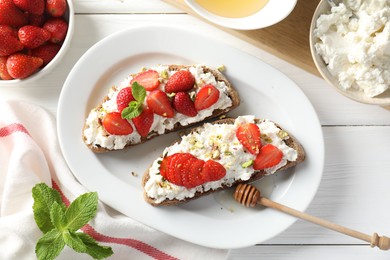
{"points": [[229, 153], [97, 136], [354, 41]]}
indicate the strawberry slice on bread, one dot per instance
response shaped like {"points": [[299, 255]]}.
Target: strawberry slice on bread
{"points": [[219, 155], [156, 101]]}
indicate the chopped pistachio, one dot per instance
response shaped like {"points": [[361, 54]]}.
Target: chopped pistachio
{"points": [[164, 74], [143, 69], [134, 174], [216, 154], [266, 138], [171, 95], [221, 68], [229, 153], [282, 134], [199, 145], [247, 164]]}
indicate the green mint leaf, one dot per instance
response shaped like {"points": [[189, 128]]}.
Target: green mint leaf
{"points": [[44, 197], [81, 211], [57, 216], [50, 245], [138, 92], [72, 240], [93, 248], [133, 110]]}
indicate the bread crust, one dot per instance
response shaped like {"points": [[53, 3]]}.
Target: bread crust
{"points": [[232, 93], [291, 142]]}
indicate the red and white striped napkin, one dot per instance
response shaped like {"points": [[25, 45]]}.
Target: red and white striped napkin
{"points": [[30, 154]]}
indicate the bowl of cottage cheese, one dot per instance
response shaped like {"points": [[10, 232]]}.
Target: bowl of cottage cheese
{"points": [[350, 45]]}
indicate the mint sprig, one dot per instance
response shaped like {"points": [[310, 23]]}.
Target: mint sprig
{"points": [[60, 225], [135, 107]]}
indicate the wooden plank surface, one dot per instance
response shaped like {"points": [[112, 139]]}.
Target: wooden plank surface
{"points": [[288, 39]]}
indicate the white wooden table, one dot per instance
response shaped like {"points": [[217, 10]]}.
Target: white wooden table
{"points": [[355, 189]]}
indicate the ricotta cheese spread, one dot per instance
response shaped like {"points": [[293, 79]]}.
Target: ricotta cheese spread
{"points": [[354, 42], [96, 135], [218, 142]]}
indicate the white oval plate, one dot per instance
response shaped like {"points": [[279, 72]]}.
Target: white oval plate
{"points": [[273, 12], [264, 91]]}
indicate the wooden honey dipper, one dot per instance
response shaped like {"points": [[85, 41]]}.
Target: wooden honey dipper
{"points": [[249, 196]]}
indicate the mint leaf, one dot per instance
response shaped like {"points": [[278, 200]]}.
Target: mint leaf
{"points": [[133, 110], [72, 240], [93, 248], [50, 245], [44, 197], [138, 92], [81, 211], [57, 216]]}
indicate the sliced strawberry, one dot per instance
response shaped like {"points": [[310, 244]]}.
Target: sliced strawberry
{"points": [[194, 174], [114, 124], [164, 166], [207, 96], [160, 104], [249, 136], [182, 80], [143, 122], [46, 52], [55, 8], [269, 156], [212, 171], [36, 7], [181, 168], [148, 79], [20, 65], [32, 36], [184, 105], [4, 75], [9, 42], [123, 98]]}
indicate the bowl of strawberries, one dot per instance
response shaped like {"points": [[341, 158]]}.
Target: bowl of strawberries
{"points": [[34, 36]]}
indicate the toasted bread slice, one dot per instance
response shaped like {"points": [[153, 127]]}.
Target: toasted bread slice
{"points": [[160, 192], [99, 140]]}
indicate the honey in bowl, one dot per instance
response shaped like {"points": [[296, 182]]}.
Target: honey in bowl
{"points": [[233, 8]]}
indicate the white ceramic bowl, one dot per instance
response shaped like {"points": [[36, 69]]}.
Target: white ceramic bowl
{"points": [[381, 100], [69, 16], [273, 12]]}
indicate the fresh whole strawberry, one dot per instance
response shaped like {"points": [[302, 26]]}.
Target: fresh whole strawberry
{"points": [[32, 36], [58, 29], [46, 52], [212, 171], [182, 80], [9, 42], [183, 104], [160, 104], [148, 79], [123, 98], [20, 65], [207, 96], [55, 8], [11, 15], [4, 75], [143, 122], [249, 136], [268, 156], [36, 7], [114, 124]]}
